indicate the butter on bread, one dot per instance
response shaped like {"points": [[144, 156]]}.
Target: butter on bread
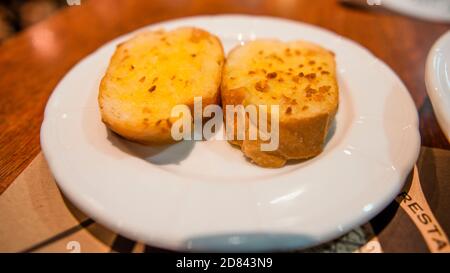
{"points": [[154, 71], [298, 76]]}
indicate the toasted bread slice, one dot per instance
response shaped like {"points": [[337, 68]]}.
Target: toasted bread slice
{"points": [[298, 76], [154, 71]]}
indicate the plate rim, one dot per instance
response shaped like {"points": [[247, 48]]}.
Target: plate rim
{"points": [[434, 89], [415, 11]]}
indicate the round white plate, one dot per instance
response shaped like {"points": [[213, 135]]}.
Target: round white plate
{"points": [[431, 10], [437, 79], [204, 196]]}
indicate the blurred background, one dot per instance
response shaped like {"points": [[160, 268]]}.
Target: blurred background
{"points": [[16, 15]]}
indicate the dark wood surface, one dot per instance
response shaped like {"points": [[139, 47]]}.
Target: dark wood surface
{"points": [[33, 62]]}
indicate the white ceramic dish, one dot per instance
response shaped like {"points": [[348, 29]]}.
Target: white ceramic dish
{"points": [[204, 196], [437, 79], [431, 10]]}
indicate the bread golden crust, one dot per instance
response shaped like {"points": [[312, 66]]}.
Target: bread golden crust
{"points": [[298, 76], [154, 71]]}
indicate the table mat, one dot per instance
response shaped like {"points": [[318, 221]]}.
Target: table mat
{"points": [[35, 217]]}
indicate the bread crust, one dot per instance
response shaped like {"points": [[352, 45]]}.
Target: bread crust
{"points": [[302, 134]]}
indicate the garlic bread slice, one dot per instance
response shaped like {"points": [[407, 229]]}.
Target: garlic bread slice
{"points": [[154, 71], [299, 77]]}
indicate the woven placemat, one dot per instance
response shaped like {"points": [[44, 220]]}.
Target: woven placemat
{"points": [[35, 217]]}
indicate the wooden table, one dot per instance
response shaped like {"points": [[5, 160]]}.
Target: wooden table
{"points": [[33, 62]]}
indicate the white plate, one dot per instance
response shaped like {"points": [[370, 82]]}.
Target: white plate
{"points": [[431, 10], [204, 196], [437, 79]]}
